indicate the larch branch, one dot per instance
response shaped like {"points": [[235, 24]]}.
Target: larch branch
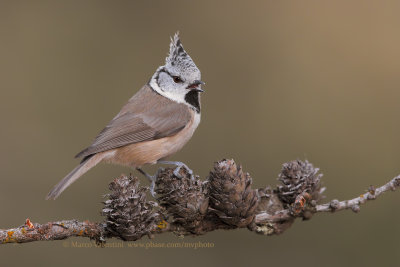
{"points": [[225, 200]]}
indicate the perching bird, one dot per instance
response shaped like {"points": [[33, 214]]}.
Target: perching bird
{"points": [[155, 123]]}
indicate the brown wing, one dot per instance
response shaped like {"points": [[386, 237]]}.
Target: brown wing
{"points": [[147, 116]]}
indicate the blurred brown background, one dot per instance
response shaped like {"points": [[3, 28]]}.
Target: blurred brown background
{"points": [[316, 80]]}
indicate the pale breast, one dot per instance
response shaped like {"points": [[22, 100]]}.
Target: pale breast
{"points": [[149, 152]]}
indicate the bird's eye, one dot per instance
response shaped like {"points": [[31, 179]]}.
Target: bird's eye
{"points": [[177, 79]]}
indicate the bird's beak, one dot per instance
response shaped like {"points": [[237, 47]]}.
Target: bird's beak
{"points": [[195, 86], [198, 82]]}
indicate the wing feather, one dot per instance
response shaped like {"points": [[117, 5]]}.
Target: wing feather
{"points": [[147, 116]]}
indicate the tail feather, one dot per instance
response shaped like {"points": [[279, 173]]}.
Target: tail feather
{"points": [[81, 169]]}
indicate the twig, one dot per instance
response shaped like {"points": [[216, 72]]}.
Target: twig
{"points": [[51, 231], [186, 207], [354, 204], [334, 205]]}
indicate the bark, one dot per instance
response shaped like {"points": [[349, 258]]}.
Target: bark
{"points": [[225, 200]]}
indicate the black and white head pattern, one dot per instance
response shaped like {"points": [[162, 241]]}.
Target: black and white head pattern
{"points": [[179, 79]]}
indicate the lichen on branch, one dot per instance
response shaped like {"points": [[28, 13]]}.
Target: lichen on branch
{"points": [[225, 200]]}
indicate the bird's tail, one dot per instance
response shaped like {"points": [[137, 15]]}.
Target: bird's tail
{"points": [[81, 169]]}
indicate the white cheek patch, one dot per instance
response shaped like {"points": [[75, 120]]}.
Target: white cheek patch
{"points": [[175, 97], [179, 98]]}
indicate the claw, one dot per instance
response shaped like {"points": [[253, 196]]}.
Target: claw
{"points": [[177, 172], [179, 165]]}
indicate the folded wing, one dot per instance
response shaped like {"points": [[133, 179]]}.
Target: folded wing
{"points": [[147, 116]]}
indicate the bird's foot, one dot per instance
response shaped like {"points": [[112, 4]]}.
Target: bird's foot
{"points": [[179, 165], [152, 179]]}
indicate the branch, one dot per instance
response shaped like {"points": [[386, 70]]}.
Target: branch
{"points": [[194, 207], [354, 204], [335, 205], [30, 232]]}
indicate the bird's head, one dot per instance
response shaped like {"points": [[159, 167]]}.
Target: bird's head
{"points": [[179, 78]]}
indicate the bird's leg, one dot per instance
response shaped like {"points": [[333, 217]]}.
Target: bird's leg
{"points": [[178, 165], [152, 179]]}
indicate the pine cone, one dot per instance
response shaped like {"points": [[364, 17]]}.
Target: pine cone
{"points": [[128, 215], [299, 179], [231, 196], [182, 198]]}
